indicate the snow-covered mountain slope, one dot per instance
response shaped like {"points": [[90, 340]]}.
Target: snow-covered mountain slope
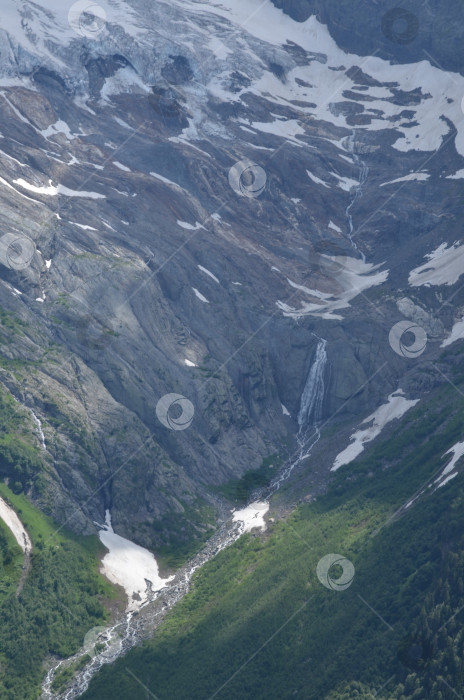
{"points": [[199, 191]]}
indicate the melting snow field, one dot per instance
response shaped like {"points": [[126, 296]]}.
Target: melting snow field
{"points": [[130, 566], [407, 178], [200, 296], [12, 521], [445, 266], [52, 190], [457, 333], [445, 476], [252, 516], [353, 277], [395, 408]]}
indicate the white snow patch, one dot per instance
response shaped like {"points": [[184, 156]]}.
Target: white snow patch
{"points": [[210, 274], [48, 263], [165, 180], [122, 123], [85, 227], [448, 478], [287, 128], [317, 180], [353, 277], [346, 183], [11, 520], [200, 296], [458, 175], [252, 516], [334, 227], [458, 452], [407, 178], [10, 187], [457, 333], [22, 165], [53, 190], [285, 411], [190, 227], [124, 81], [445, 266], [130, 566], [121, 166], [189, 363], [395, 408], [59, 127]]}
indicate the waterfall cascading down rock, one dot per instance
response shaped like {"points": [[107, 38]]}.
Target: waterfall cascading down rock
{"points": [[363, 173], [312, 398], [309, 415]]}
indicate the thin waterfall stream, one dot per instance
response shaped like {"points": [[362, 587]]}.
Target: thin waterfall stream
{"points": [[132, 628], [358, 192]]}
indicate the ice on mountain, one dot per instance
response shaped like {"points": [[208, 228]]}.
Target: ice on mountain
{"points": [[444, 265], [317, 180], [200, 296], [207, 272], [407, 178], [395, 408]]}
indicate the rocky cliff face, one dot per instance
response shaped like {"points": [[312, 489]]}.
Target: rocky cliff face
{"points": [[207, 194]]}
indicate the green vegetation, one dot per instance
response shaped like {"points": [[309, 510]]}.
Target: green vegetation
{"points": [[183, 534], [259, 624], [61, 600], [11, 561], [65, 675], [20, 459], [240, 490]]}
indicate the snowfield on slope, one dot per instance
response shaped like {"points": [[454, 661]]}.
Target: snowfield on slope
{"points": [[395, 408], [444, 265], [130, 566], [12, 521], [252, 516]]}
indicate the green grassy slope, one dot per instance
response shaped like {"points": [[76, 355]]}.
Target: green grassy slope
{"points": [[259, 624], [61, 601]]}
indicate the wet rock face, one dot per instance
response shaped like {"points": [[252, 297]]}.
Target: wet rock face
{"points": [[400, 32], [193, 222], [177, 70]]}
